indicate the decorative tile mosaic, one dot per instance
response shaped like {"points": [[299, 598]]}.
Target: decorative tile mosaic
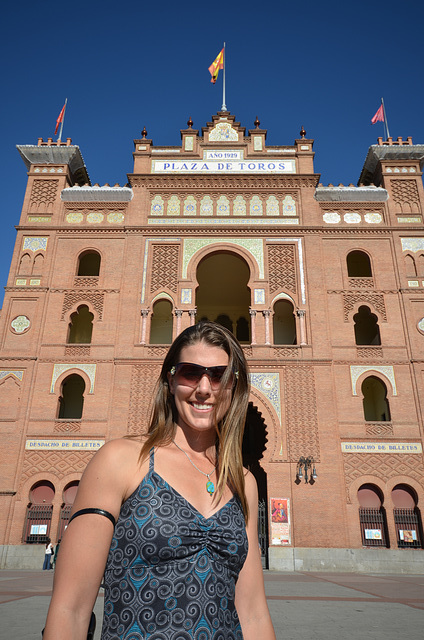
{"points": [[413, 283], [257, 143], [4, 373], [21, 282], [190, 206], [222, 206], [357, 371], [223, 221], [268, 384], [75, 217], [239, 206], [173, 207], [256, 207], [410, 220], [331, 217], [412, 244], [272, 206], [115, 217], [352, 218], [254, 246], [34, 244], [20, 324], [206, 206], [259, 296], [185, 296], [420, 325], [35, 283], [189, 143], [59, 369], [95, 217], [156, 208], [223, 132], [373, 218], [289, 206], [39, 218]]}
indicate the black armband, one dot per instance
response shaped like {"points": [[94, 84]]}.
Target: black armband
{"points": [[99, 512]]}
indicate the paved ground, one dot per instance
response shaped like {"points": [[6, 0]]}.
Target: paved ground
{"points": [[320, 606]]}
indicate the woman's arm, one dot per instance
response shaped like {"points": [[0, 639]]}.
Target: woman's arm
{"points": [[107, 481], [250, 599]]}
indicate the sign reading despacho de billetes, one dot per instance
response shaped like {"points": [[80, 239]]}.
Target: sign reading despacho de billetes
{"points": [[63, 445], [227, 166], [382, 447]]}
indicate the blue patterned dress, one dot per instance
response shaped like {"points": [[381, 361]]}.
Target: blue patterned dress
{"points": [[171, 572]]}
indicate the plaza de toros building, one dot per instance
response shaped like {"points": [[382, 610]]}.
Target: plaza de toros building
{"points": [[322, 285]]}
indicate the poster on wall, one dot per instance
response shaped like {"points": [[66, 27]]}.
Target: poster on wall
{"points": [[373, 534], [280, 521], [409, 535]]}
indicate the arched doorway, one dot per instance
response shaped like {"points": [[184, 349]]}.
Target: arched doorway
{"points": [[372, 517], [39, 513], [254, 445], [69, 493], [407, 517], [223, 294]]}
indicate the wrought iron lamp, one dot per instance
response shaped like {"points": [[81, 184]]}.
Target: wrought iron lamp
{"points": [[303, 466]]}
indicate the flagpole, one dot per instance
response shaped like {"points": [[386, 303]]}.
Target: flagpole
{"points": [[63, 119], [224, 106], [385, 119]]}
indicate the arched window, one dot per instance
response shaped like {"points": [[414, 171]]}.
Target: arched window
{"points": [[161, 323], [410, 266], [89, 264], [367, 331], [71, 400], [69, 493], [358, 265], [420, 270], [284, 323], [223, 294], [407, 517], [81, 326], [376, 406], [37, 267], [25, 264], [372, 517], [39, 513]]}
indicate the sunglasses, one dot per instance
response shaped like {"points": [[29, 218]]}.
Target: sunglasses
{"points": [[189, 375]]}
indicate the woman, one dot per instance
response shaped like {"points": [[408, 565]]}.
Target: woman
{"points": [[183, 560], [48, 555]]}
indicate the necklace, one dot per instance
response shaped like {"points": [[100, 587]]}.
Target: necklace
{"points": [[210, 487]]}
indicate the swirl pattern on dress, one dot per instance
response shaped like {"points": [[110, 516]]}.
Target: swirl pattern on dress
{"points": [[171, 572]]}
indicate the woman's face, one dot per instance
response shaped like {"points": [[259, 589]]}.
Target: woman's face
{"points": [[195, 404]]}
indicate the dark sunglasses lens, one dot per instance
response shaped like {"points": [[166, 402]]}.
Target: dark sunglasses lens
{"points": [[191, 374]]}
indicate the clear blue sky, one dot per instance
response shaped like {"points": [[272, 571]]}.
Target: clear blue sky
{"points": [[124, 65]]}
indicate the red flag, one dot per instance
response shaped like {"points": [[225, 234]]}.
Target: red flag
{"points": [[60, 118], [216, 65], [379, 116]]}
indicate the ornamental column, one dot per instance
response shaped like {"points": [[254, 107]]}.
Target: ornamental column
{"points": [[178, 315], [252, 313], [144, 315], [301, 315], [192, 314], [266, 314]]}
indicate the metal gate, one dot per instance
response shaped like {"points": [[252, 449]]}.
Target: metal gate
{"points": [[263, 532]]}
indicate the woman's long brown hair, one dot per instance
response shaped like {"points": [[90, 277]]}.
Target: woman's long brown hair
{"points": [[229, 428]]}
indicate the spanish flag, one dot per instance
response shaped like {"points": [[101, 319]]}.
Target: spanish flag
{"points": [[216, 65]]}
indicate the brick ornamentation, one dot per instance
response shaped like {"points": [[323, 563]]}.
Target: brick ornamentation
{"points": [[381, 429], [43, 193], [301, 413], [375, 299], [405, 195], [58, 463], [381, 466], [94, 298], [143, 380], [165, 267], [282, 268]]}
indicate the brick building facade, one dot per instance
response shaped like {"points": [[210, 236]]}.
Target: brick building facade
{"points": [[323, 286]]}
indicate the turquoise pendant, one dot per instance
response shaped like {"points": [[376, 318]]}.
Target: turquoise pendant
{"points": [[210, 487]]}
